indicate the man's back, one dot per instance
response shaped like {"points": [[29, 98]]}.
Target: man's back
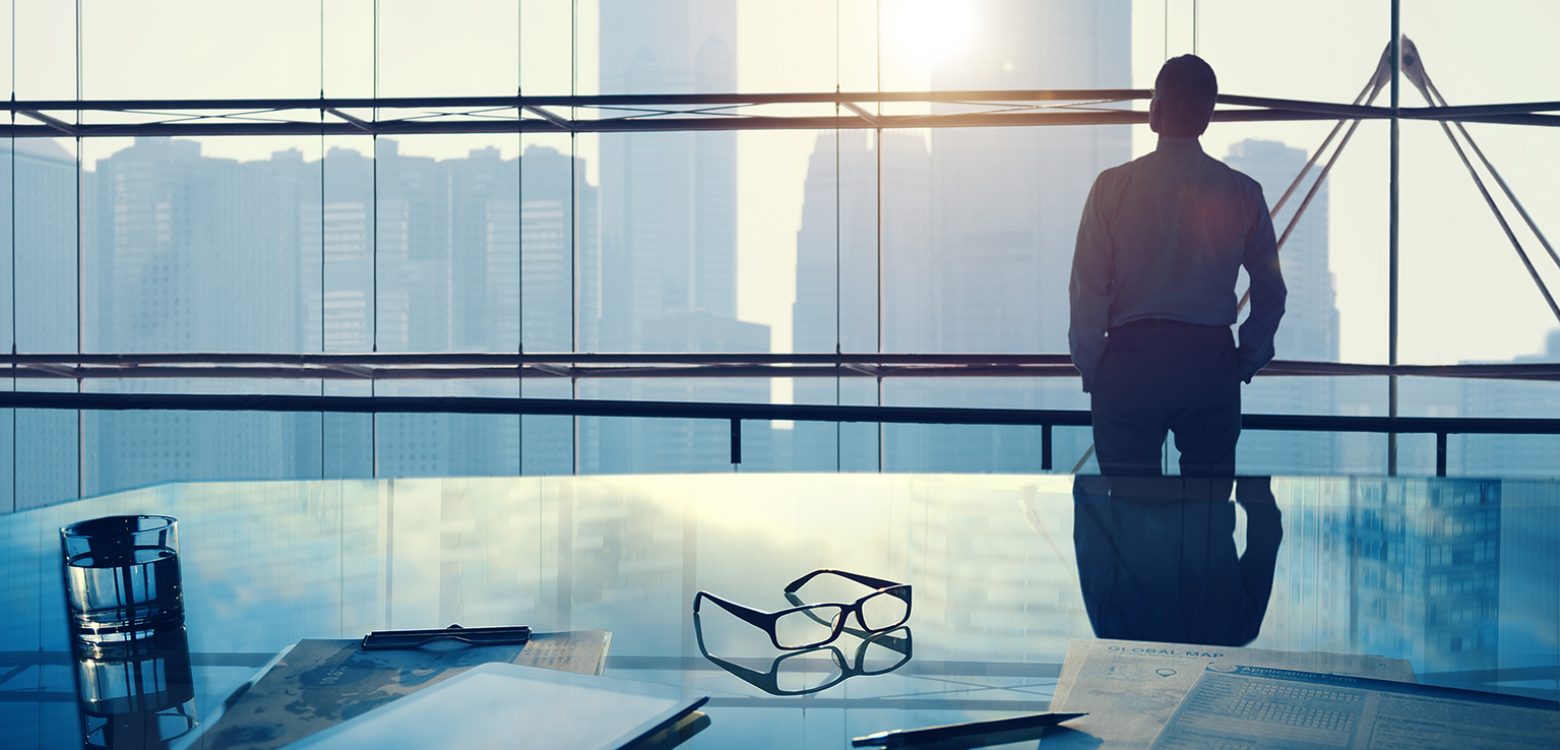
{"points": [[1163, 237], [1179, 221], [1160, 245]]}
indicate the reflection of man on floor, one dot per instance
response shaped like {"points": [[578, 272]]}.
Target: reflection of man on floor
{"points": [[1160, 244]]}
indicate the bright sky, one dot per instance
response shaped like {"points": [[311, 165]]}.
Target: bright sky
{"points": [[1464, 293]]}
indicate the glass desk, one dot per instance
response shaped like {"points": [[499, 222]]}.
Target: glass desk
{"points": [[1461, 578]]}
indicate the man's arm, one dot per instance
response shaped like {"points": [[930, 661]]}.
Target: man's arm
{"points": [[1091, 289], [1267, 291]]}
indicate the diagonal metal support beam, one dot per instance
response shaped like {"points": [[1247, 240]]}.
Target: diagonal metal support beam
{"points": [[563, 123], [863, 113], [357, 122], [53, 122]]}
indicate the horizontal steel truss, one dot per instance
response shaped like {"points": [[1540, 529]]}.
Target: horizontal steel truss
{"points": [[584, 366], [619, 113]]}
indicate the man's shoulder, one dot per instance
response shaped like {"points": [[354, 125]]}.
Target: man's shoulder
{"points": [[1115, 175], [1245, 181]]}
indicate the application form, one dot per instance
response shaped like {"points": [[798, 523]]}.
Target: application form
{"points": [[1262, 708]]}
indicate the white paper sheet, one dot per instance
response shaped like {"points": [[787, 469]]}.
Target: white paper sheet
{"points": [[1281, 709], [1131, 688]]}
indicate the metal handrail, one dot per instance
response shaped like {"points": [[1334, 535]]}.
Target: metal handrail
{"points": [[736, 413]]}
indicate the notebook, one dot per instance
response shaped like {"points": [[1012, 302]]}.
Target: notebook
{"points": [[505, 705]]}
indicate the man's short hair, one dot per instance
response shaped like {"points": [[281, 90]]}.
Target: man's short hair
{"points": [[1184, 93]]}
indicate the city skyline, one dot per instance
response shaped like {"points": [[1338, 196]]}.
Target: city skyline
{"points": [[1450, 243], [948, 240], [131, 219]]}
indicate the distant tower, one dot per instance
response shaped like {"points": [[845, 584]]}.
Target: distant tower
{"points": [[668, 200], [193, 254], [1309, 330], [1005, 209], [666, 275], [1508, 456], [837, 254], [1310, 327], [44, 221]]}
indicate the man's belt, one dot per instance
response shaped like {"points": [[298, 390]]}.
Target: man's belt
{"points": [[1165, 323]]}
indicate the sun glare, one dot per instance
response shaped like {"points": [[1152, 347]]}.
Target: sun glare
{"points": [[932, 30]]}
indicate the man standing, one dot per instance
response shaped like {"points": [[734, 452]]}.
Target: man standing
{"points": [[1153, 291]]}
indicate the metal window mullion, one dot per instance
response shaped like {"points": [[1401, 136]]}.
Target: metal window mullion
{"points": [[574, 226], [520, 226], [1393, 237], [373, 418], [15, 501], [878, 30], [81, 440], [323, 152]]}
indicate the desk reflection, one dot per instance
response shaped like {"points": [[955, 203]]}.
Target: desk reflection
{"points": [[138, 693], [1157, 558], [817, 669]]}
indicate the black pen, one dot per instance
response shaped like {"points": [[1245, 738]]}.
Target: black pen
{"points": [[1021, 726]]}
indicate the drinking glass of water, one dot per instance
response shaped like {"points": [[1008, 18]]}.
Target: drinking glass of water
{"points": [[122, 576]]}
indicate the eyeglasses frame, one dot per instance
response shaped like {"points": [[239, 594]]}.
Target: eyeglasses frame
{"points": [[767, 621]]}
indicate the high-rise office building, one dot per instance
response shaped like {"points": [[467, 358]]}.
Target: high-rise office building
{"points": [[668, 200], [668, 227], [837, 275], [1426, 572], [41, 224], [186, 253], [1508, 455], [1309, 330], [1005, 208], [478, 254]]}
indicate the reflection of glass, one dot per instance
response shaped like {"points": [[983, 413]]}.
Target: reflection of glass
{"points": [[802, 672], [122, 576], [809, 625], [136, 693]]}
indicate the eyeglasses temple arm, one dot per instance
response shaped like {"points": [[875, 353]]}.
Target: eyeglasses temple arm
{"points": [[750, 616], [877, 583]]}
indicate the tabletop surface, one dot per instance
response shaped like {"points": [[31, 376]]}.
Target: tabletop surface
{"points": [[1459, 577]]}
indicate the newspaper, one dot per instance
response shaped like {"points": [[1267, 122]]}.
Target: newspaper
{"points": [[1283, 709], [1130, 689]]}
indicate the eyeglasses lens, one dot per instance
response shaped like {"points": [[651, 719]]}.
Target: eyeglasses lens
{"points": [[807, 627]]}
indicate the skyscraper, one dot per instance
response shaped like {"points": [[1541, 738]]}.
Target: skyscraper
{"points": [[668, 230], [1507, 455], [1309, 330], [668, 200], [1005, 207], [41, 219], [837, 274], [186, 253]]}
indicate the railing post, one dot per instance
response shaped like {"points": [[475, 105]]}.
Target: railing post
{"points": [[736, 441], [1045, 447], [1440, 454]]}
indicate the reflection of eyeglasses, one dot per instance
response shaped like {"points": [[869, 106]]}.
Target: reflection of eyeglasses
{"points": [[811, 625], [791, 674]]}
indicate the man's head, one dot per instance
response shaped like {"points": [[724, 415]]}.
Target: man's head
{"points": [[1183, 97]]}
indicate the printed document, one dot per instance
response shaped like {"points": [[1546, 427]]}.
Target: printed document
{"points": [[1131, 688], [1283, 709]]}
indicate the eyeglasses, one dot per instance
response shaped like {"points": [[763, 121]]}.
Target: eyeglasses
{"points": [[795, 673], [886, 607]]}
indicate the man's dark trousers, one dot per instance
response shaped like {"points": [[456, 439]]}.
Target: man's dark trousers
{"points": [[1159, 376]]}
